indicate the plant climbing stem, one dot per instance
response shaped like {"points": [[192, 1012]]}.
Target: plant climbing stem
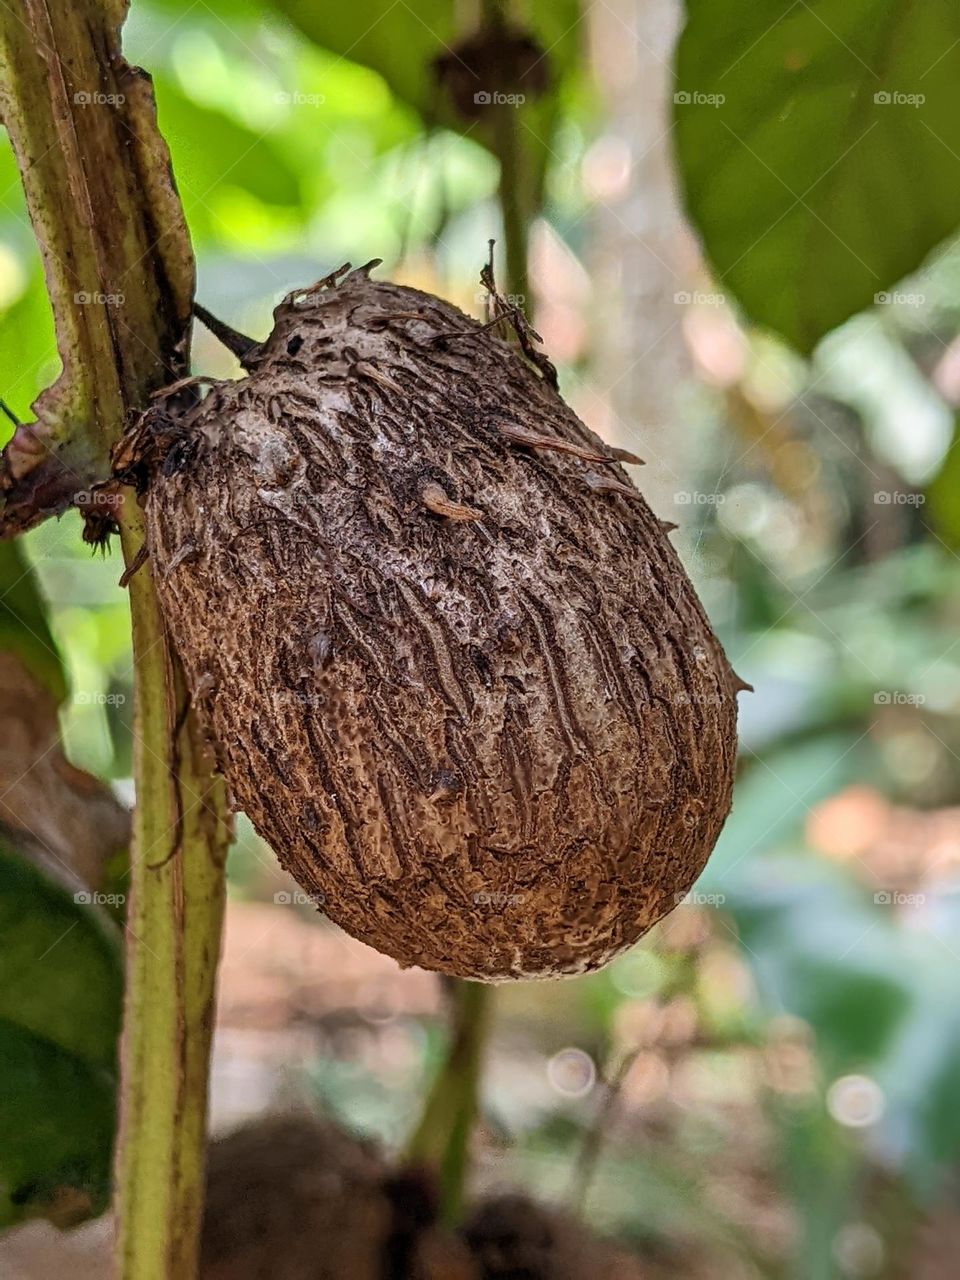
{"points": [[173, 927], [515, 187], [441, 1140], [119, 272], [513, 215]]}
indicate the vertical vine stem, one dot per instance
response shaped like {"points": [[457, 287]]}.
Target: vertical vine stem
{"points": [[515, 186], [173, 933], [512, 213], [442, 1138], [119, 272]]}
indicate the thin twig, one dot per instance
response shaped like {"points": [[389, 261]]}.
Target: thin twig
{"points": [[586, 1165]]}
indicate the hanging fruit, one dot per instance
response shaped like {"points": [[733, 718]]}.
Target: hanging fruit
{"points": [[453, 670]]}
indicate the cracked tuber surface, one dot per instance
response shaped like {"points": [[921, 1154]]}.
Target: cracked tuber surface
{"points": [[453, 670]]}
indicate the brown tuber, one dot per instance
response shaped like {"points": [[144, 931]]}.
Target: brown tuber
{"points": [[511, 1236], [294, 1197], [454, 671]]}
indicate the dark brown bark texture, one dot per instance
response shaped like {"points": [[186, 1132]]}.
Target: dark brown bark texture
{"points": [[456, 675]]}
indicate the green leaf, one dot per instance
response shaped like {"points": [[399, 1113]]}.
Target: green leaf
{"points": [[772, 801], [819, 150], [27, 344], [402, 44], [397, 43], [24, 629], [56, 1122], [822, 949], [60, 1005], [210, 151]]}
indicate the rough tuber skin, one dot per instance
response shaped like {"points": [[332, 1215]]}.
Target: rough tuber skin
{"points": [[454, 671]]}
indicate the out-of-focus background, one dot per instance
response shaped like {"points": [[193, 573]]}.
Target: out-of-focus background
{"points": [[768, 1085]]}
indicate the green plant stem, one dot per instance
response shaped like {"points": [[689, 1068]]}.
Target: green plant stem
{"points": [[111, 233], [515, 219], [119, 272], [173, 942], [514, 189], [442, 1138]]}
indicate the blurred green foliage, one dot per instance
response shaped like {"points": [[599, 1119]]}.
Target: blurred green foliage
{"points": [[24, 629], [60, 1001], [818, 147]]}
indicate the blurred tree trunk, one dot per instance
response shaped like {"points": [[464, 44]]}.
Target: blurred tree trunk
{"points": [[643, 255]]}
